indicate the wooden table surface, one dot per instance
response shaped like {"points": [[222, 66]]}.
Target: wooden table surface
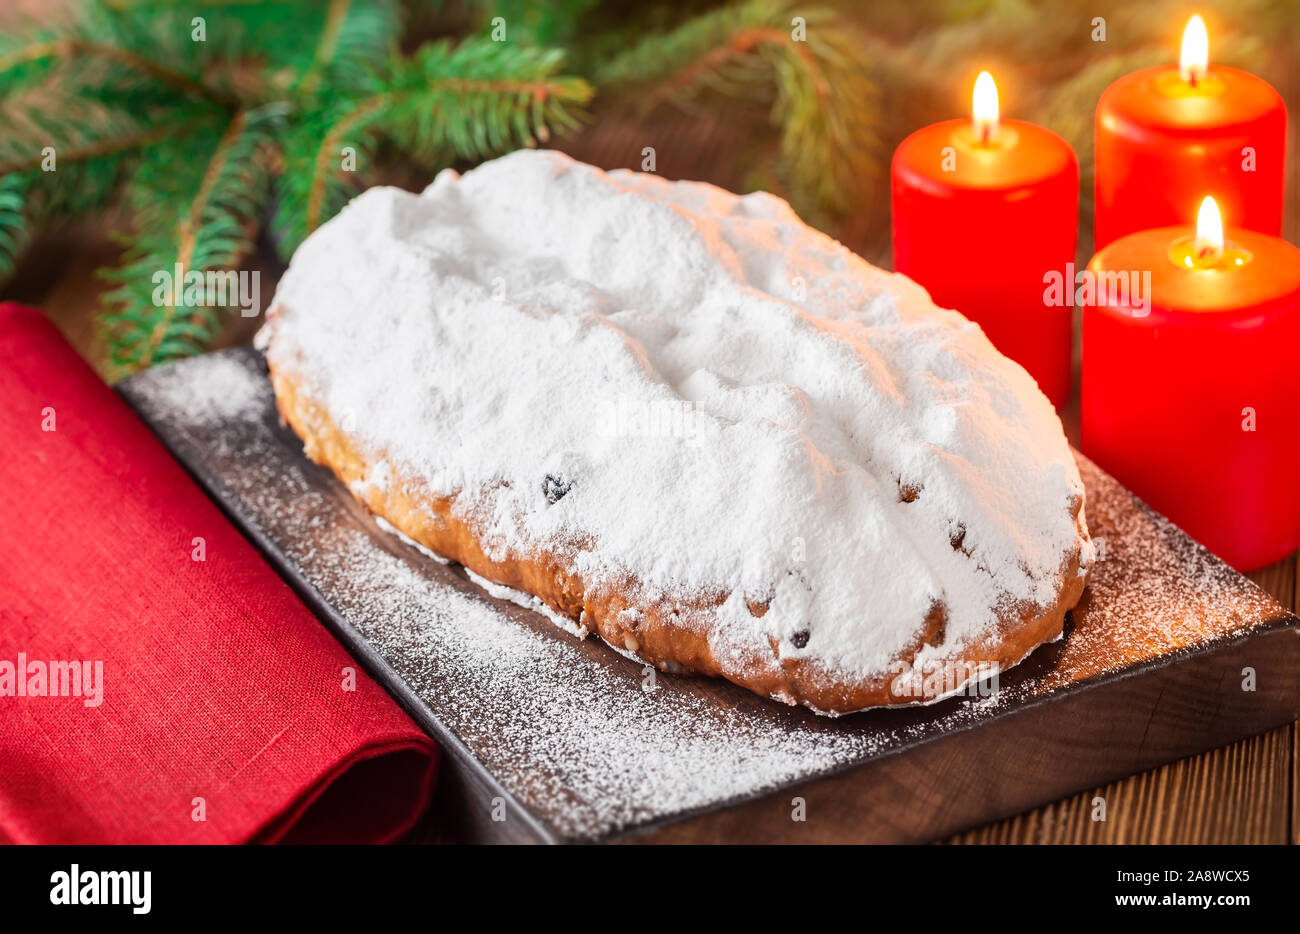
{"points": [[1245, 793]]}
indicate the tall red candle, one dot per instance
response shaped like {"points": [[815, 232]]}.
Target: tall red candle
{"points": [[1194, 403], [982, 210], [1168, 136]]}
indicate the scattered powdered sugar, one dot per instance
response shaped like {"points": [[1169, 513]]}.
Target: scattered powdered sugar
{"points": [[1154, 590], [565, 725], [223, 394], [699, 390]]}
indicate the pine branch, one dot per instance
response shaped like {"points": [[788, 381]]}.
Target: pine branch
{"points": [[91, 150], [478, 98], [73, 47], [314, 184], [823, 100], [15, 229], [358, 123], [67, 114], [355, 39], [243, 46], [65, 131], [194, 121], [200, 214], [466, 101], [35, 201], [76, 189]]}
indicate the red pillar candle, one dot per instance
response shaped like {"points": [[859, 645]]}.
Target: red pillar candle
{"points": [[983, 210], [1167, 136], [1191, 395]]}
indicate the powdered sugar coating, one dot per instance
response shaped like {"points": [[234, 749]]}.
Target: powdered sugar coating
{"points": [[692, 388]]}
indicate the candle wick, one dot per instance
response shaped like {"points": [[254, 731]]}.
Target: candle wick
{"points": [[1207, 254]]}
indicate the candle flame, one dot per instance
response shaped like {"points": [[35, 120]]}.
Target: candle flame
{"points": [[1209, 232], [1195, 57], [984, 107]]}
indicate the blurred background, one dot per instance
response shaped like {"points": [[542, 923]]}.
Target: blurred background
{"points": [[221, 144]]}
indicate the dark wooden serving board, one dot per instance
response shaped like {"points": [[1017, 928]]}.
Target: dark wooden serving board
{"points": [[551, 738]]}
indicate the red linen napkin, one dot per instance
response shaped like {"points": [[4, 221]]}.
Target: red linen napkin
{"points": [[220, 713]]}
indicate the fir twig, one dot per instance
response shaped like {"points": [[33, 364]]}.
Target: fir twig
{"points": [[362, 115], [201, 124], [15, 231], [199, 216], [91, 150], [467, 101], [822, 96], [355, 38], [72, 46]]}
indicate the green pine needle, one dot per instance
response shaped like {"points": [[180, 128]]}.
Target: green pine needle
{"points": [[15, 231], [444, 102], [195, 135], [200, 213], [822, 96]]}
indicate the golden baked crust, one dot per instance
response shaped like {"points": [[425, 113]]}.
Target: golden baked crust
{"points": [[652, 628]]}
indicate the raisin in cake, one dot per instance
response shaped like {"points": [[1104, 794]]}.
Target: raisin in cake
{"points": [[688, 422]]}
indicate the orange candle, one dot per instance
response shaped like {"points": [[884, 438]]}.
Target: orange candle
{"points": [[1167, 136], [1191, 349]]}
